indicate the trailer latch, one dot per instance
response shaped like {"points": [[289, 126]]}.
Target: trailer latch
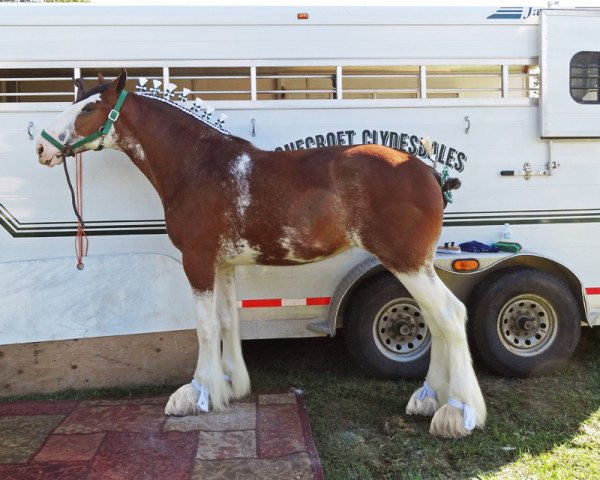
{"points": [[529, 172]]}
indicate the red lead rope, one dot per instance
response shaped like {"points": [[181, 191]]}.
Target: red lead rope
{"points": [[81, 240]]}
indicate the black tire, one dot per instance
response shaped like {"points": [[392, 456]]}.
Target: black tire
{"points": [[376, 343], [523, 322]]}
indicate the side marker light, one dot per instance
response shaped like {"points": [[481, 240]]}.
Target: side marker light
{"points": [[465, 265]]}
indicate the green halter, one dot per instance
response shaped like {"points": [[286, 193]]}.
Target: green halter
{"points": [[69, 150]]}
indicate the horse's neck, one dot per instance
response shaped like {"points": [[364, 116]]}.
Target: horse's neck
{"points": [[157, 138]]}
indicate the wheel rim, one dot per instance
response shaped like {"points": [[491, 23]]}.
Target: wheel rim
{"points": [[399, 330], [527, 325]]}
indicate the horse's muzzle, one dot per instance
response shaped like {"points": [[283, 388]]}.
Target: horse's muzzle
{"points": [[47, 154]]}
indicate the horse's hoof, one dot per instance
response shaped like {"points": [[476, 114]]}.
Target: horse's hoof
{"points": [[240, 384], [183, 401], [426, 407], [448, 422]]}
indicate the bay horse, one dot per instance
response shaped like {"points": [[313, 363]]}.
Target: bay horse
{"points": [[228, 203]]}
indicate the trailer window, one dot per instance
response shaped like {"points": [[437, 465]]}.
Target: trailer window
{"points": [[335, 82], [295, 83], [441, 81], [18, 85], [456, 81], [213, 83], [90, 76], [585, 76], [380, 82]]}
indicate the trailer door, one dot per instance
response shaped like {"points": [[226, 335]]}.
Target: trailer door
{"points": [[570, 61]]}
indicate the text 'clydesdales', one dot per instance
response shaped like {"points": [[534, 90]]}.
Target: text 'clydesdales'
{"points": [[449, 156]]}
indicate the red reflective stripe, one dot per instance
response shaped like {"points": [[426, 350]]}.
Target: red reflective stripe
{"points": [[593, 291], [269, 302], [318, 301]]}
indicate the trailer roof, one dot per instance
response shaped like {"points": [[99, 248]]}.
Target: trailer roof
{"points": [[98, 14]]}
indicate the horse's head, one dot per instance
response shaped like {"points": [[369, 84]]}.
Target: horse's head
{"points": [[85, 125]]}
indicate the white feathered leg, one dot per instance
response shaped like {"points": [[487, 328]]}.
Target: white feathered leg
{"points": [[209, 387], [446, 315], [427, 399], [232, 358]]}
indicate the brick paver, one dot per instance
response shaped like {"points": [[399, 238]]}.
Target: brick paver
{"points": [[263, 437]]}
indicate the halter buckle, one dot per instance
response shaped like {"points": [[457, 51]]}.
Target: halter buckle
{"points": [[113, 115], [67, 151]]}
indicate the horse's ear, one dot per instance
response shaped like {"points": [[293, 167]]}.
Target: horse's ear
{"points": [[119, 83], [100, 78]]}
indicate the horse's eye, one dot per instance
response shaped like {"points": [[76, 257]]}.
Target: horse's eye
{"points": [[87, 109]]}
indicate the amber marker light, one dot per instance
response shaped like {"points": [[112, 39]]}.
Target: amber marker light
{"points": [[465, 265], [303, 16]]}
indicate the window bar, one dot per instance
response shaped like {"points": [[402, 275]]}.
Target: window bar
{"points": [[165, 78], [338, 83], [253, 92], [422, 81], [505, 81], [76, 74]]}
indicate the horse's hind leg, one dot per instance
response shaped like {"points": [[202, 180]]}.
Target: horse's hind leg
{"points": [[232, 358], [434, 392], [445, 315]]}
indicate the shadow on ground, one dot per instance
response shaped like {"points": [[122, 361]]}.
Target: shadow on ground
{"points": [[362, 432]]}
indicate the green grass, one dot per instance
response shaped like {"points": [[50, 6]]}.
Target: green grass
{"points": [[537, 428], [544, 428]]}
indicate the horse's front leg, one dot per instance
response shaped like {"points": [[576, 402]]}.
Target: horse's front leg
{"points": [[232, 358], [209, 386]]}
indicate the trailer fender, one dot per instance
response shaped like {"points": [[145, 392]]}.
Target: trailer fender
{"points": [[343, 292], [461, 284]]}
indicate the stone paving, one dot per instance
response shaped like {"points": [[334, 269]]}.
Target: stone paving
{"points": [[263, 437]]}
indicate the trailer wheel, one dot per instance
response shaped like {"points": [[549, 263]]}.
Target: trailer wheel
{"points": [[524, 322], [385, 331]]}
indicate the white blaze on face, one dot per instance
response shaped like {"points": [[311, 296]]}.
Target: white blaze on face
{"points": [[241, 168], [63, 130]]}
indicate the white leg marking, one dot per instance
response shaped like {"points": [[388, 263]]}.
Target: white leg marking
{"points": [[209, 373], [423, 401], [446, 315], [232, 358]]}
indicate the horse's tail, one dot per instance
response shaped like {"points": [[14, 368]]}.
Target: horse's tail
{"points": [[451, 183], [447, 184]]}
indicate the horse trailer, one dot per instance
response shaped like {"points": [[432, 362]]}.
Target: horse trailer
{"points": [[509, 97]]}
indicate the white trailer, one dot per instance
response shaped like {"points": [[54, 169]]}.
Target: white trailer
{"points": [[510, 96]]}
